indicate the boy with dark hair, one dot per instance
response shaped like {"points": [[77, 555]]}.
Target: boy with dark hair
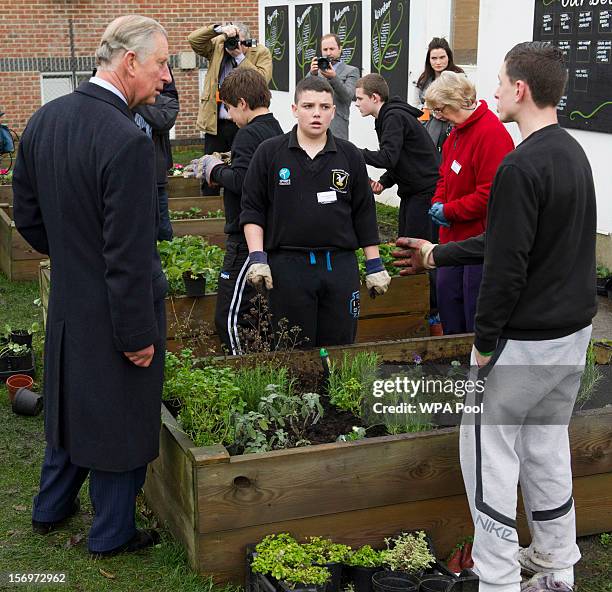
{"points": [[246, 97], [535, 308], [405, 150], [306, 207]]}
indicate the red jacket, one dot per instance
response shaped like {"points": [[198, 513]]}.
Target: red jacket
{"points": [[477, 147]]}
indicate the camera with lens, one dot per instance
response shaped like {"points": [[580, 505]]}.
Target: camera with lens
{"points": [[324, 63], [232, 43]]}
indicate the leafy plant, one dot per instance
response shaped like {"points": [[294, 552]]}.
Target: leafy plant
{"points": [[281, 421], [14, 350], [606, 539], [195, 213], [6, 177], [323, 551], [176, 170], [591, 377], [365, 557], [603, 271], [252, 382], [408, 552], [190, 254], [283, 558], [357, 433], [351, 381], [386, 257]]}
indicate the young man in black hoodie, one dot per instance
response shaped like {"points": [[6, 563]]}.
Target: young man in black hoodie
{"points": [[405, 150], [246, 97], [533, 325]]}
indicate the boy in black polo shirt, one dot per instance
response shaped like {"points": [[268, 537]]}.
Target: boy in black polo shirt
{"points": [[246, 97], [307, 201]]}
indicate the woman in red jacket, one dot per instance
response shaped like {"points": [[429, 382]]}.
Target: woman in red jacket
{"points": [[470, 157]]}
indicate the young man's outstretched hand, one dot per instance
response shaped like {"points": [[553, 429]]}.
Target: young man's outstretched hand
{"points": [[413, 255]]}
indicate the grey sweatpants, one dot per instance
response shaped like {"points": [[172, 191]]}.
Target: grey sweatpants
{"points": [[523, 436]]}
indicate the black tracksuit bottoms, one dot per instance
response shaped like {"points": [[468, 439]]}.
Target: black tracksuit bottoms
{"points": [[317, 291], [234, 297]]}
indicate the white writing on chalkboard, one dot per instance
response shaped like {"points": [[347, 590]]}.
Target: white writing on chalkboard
{"points": [[300, 19], [272, 16], [380, 11], [604, 52], [340, 13], [580, 3]]}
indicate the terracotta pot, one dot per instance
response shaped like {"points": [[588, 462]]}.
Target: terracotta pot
{"points": [[17, 381]]}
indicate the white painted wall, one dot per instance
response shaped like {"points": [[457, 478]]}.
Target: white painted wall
{"points": [[502, 25]]}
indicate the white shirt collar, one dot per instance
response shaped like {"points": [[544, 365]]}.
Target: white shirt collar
{"points": [[108, 86]]}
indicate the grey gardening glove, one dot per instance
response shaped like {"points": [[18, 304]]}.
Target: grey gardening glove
{"points": [[202, 167], [259, 274], [377, 278]]}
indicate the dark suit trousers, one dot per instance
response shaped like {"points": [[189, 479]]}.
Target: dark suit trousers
{"points": [[113, 497]]}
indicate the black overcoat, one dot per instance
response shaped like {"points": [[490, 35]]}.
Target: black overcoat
{"points": [[84, 192]]}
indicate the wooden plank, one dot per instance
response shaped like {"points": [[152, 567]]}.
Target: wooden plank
{"points": [[210, 203], [330, 478], [5, 243], [392, 327], [24, 270], [211, 229], [181, 187], [406, 294], [6, 194], [169, 487], [446, 519], [44, 285]]}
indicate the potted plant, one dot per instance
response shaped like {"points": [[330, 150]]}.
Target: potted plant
{"points": [[604, 280], [19, 356], [20, 336], [362, 565], [408, 552], [282, 558], [326, 553]]}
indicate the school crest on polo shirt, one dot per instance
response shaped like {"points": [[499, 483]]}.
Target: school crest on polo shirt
{"points": [[340, 180]]}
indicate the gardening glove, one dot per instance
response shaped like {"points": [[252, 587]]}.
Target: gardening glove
{"points": [[202, 167], [436, 212], [226, 157], [259, 274], [377, 278]]}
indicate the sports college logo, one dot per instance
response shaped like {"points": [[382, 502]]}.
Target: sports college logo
{"points": [[284, 175], [340, 180]]}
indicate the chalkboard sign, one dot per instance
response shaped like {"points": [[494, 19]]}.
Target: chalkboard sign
{"points": [[390, 27], [345, 21], [308, 22], [277, 41], [583, 30]]}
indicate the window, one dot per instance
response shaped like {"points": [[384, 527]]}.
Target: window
{"points": [[464, 34], [59, 84]]}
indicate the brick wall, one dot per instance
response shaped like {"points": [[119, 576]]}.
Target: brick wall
{"points": [[34, 35]]}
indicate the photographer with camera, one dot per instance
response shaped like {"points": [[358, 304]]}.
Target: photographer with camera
{"points": [[342, 79], [226, 48]]}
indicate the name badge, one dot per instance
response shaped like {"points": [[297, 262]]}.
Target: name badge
{"points": [[326, 197], [455, 167]]}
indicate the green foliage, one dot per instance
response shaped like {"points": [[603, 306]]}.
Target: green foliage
{"points": [[190, 254], [606, 539], [323, 551], [357, 433], [14, 350], [603, 271], [281, 421], [195, 213], [252, 382], [386, 257], [408, 552], [283, 558], [351, 381], [6, 177], [591, 377], [365, 557]]}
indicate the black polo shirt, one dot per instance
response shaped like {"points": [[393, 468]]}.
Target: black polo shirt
{"points": [[311, 204]]}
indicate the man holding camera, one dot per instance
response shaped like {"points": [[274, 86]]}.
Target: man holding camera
{"points": [[342, 79], [226, 48]]}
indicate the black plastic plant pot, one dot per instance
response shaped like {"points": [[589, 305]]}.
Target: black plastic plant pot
{"points": [[22, 337], [291, 587], [603, 285], [335, 569], [27, 402], [4, 364], [362, 577], [436, 583], [195, 288], [394, 581], [19, 363]]}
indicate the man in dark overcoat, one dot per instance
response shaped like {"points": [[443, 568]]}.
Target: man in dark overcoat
{"points": [[85, 193]]}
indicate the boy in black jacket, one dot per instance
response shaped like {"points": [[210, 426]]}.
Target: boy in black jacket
{"points": [[246, 97], [307, 202], [533, 325], [405, 150]]}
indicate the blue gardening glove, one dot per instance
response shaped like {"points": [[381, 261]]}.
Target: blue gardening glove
{"points": [[436, 212]]}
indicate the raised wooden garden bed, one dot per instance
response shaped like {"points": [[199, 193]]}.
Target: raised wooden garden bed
{"points": [[210, 203], [18, 260], [6, 194], [181, 187], [210, 228], [401, 312], [356, 493]]}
